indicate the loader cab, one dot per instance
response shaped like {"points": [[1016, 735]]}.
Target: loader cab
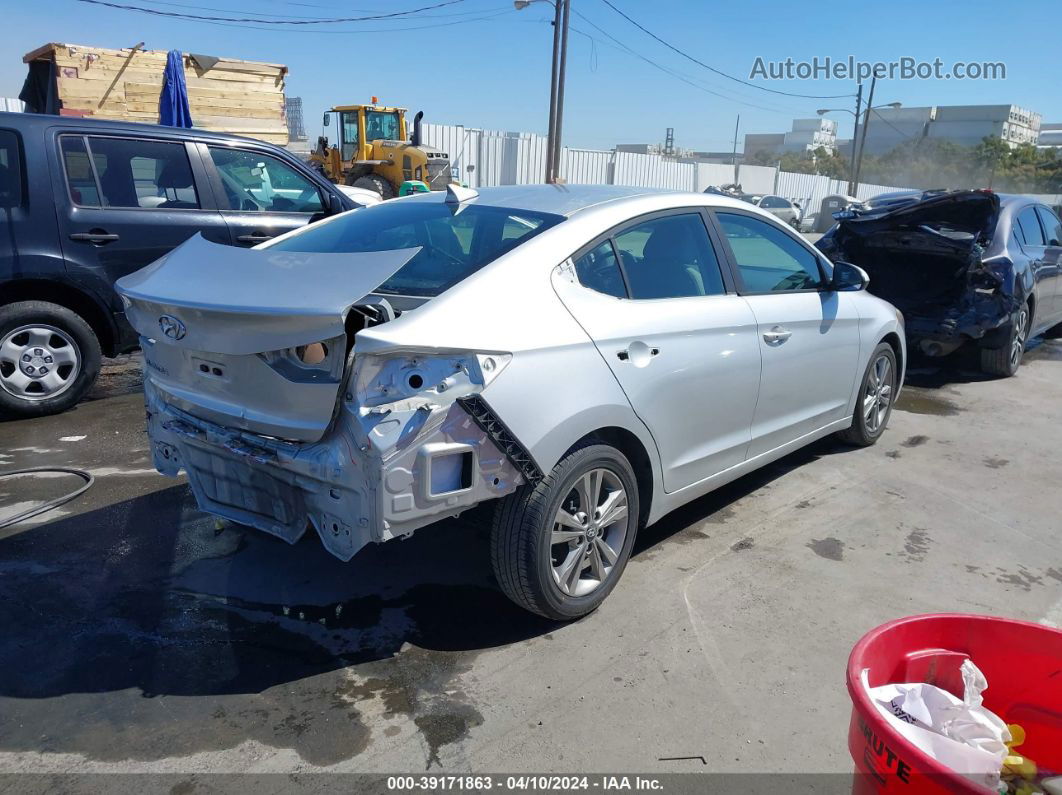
{"points": [[360, 125]]}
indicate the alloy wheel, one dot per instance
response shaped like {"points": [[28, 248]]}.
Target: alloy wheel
{"points": [[1021, 333], [38, 362], [588, 532], [877, 396]]}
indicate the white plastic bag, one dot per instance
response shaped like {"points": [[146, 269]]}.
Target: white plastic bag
{"points": [[961, 734]]}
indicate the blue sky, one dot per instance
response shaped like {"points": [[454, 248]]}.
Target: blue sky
{"points": [[490, 68]]}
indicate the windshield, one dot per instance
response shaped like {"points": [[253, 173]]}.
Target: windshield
{"points": [[454, 242], [379, 125]]}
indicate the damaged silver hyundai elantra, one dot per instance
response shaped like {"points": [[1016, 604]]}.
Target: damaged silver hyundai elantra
{"points": [[590, 358]]}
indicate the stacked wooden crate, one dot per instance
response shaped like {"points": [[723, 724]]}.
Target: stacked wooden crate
{"points": [[225, 94]]}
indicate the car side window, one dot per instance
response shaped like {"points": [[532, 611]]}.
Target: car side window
{"points": [[773, 202], [769, 259], [670, 257], [1052, 226], [257, 182], [129, 172], [10, 170], [1030, 227], [599, 270]]}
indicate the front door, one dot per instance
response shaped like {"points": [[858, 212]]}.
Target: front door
{"points": [[261, 195], [1052, 259], [683, 349], [808, 335], [123, 202]]}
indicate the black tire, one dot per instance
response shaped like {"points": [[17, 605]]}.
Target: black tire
{"points": [[863, 432], [521, 554], [375, 182], [87, 350], [1003, 362], [1054, 332]]}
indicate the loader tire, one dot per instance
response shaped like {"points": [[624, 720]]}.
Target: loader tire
{"points": [[376, 183]]}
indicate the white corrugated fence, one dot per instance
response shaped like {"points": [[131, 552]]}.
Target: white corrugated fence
{"points": [[517, 158]]}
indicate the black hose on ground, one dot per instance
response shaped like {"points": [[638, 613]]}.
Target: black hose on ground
{"points": [[46, 506]]}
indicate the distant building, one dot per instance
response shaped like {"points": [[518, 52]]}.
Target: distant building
{"points": [[966, 125], [804, 137]]}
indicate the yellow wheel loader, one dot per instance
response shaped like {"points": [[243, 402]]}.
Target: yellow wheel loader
{"points": [[375, 151]]}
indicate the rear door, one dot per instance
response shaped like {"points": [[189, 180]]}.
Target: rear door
{"points": [[1053, 262], [653, 298], [1044, 273], [124, 201], [808, 335], [261, 195]]}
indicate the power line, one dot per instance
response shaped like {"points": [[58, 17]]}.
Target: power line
{"points": [[677, 75], [719, 71], [259, 21], [187, 6]]}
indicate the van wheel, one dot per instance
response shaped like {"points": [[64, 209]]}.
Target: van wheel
{"points": [[375, 182], [49, 358], [877, 391], [1006, 360], [559, 548]]}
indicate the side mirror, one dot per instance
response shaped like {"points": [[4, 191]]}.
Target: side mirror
{"points": [[847, 276], [1052, 242], [327, 120]]}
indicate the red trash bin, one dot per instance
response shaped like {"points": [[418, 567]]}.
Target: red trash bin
{"points": [[1021, 661]]}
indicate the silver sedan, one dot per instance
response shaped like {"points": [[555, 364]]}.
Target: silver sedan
{"points": [[588, 358]]}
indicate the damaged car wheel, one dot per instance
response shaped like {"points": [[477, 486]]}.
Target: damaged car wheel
{"points": [[876, 396], [1006, 360], [559, 548]]}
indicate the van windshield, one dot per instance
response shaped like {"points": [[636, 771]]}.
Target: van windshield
{"points": [[455, 242]]}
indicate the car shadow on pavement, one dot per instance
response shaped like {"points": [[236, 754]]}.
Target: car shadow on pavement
{"points": [[148, 594]]}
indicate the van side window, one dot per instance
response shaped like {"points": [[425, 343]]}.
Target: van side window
{"points": [[10, 170], [79, 177], [129, 172]]}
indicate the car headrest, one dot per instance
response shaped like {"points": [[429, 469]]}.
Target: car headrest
{"points": [[175, 175], [671, 241]]}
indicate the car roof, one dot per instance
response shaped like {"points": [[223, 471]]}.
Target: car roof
{"points": [[567, 200], [23, 120]]}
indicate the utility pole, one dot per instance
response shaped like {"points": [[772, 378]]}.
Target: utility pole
{"points": [[551, 133], [733, 158], [556, 159], [855, 135], [863, 138]]}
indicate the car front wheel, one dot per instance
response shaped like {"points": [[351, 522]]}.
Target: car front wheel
{"points": [[49, 358], [558, 548], [877, 392]]}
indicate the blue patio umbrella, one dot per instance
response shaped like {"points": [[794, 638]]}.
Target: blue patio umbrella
{"points": [[173, 101]]}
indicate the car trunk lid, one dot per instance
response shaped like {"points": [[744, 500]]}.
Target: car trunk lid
{"points": [[223, 325]]}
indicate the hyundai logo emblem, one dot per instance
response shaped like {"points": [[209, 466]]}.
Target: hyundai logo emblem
{"points": [[172, 327]]}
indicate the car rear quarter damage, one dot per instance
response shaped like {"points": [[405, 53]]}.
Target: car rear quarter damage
{"points": [[935, 261], [280, 424]]}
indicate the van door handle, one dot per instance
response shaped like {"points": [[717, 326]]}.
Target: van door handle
{"points": [[777, 335], [255, 237], [97, 237], [625, 355]]}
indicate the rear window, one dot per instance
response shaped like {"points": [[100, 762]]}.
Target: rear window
{"points": [[455, 242], [10, 170]]}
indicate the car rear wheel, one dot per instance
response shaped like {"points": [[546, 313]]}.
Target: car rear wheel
{"points": [[559, 548], [1006, 360], [876, 395], [49, 358]]}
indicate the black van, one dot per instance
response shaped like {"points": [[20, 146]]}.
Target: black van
{"points": [[84, 202]]}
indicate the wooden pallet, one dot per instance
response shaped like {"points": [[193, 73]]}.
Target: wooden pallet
{"points": [[240, 97]]}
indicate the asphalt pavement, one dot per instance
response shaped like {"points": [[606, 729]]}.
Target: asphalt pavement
{"points": [[138, 636]]}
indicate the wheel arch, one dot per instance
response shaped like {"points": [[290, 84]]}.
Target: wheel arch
{"points": [[894, 342], [78, 301], [635, 452]]}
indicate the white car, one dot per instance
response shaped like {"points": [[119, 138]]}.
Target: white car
{"points": [[590, 358], [782, 209]]}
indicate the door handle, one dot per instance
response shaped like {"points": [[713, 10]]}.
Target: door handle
{"points": [[255, 237], [625, 355], [777, 335], [97, 237]]}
